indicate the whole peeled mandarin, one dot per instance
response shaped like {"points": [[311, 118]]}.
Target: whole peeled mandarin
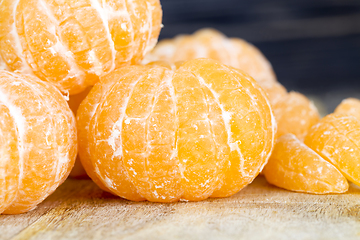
{"points": [[72, 43], [38, 141], [150, 132]]}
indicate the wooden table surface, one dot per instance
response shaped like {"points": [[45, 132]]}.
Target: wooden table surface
{"points": [[80, 210]]}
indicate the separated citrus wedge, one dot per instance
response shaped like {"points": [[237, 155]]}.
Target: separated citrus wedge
{"points": [[294, 166], [337, 139]]}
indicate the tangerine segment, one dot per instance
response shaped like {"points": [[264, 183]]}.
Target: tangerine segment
{"points": [[337, 139], [349, 106], [45, 137], [151, 132], [295, 114], [209, 43], [72, 43], [294, 166]]}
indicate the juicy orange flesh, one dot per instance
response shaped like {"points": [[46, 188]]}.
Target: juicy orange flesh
{"points": [[294, 166], [336, 138], [349, 106], [46, 137], [295, 114], [72, 43], [148, 132]]}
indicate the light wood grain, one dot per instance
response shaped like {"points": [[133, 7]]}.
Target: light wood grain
{"points": [[80, 210]]}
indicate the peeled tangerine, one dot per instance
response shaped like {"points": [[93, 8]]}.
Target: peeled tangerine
{"points": [[294, 112], [38, 142], [71, 43], [153, 133], [294, 166], [209, 43], [337, 139]]}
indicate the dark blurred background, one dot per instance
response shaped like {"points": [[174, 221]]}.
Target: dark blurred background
{"points": [[313, 45]]}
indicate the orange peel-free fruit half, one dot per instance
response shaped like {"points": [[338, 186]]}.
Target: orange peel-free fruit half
{"points": [[337, 139], [38, 141], [209, 43], [158, 134], [294, 166], [72, 43]]}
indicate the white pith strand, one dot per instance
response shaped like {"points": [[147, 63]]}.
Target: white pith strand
{"points": [[131, 55], [111, 13], [21, 126], [226, 116], [135, 44], [273, 121], [149, 42], [160, 89], [3, 65], [104, 18], [117, 127], [61, 49], [18, 48], [175, 154], [116, 135]]}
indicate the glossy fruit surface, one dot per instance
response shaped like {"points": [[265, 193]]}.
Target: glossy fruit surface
{"points": [[209, 43], [294, 166], [71, 43], [38, 142], [150, 132], [336, 138]]}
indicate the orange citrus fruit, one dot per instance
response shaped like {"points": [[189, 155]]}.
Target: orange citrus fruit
{"points": [[295, 114], [72, 43], [293, 111], [336, 138], [294, 166], [209, 43], [38, 142], [151, 132], [349, 106]]}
